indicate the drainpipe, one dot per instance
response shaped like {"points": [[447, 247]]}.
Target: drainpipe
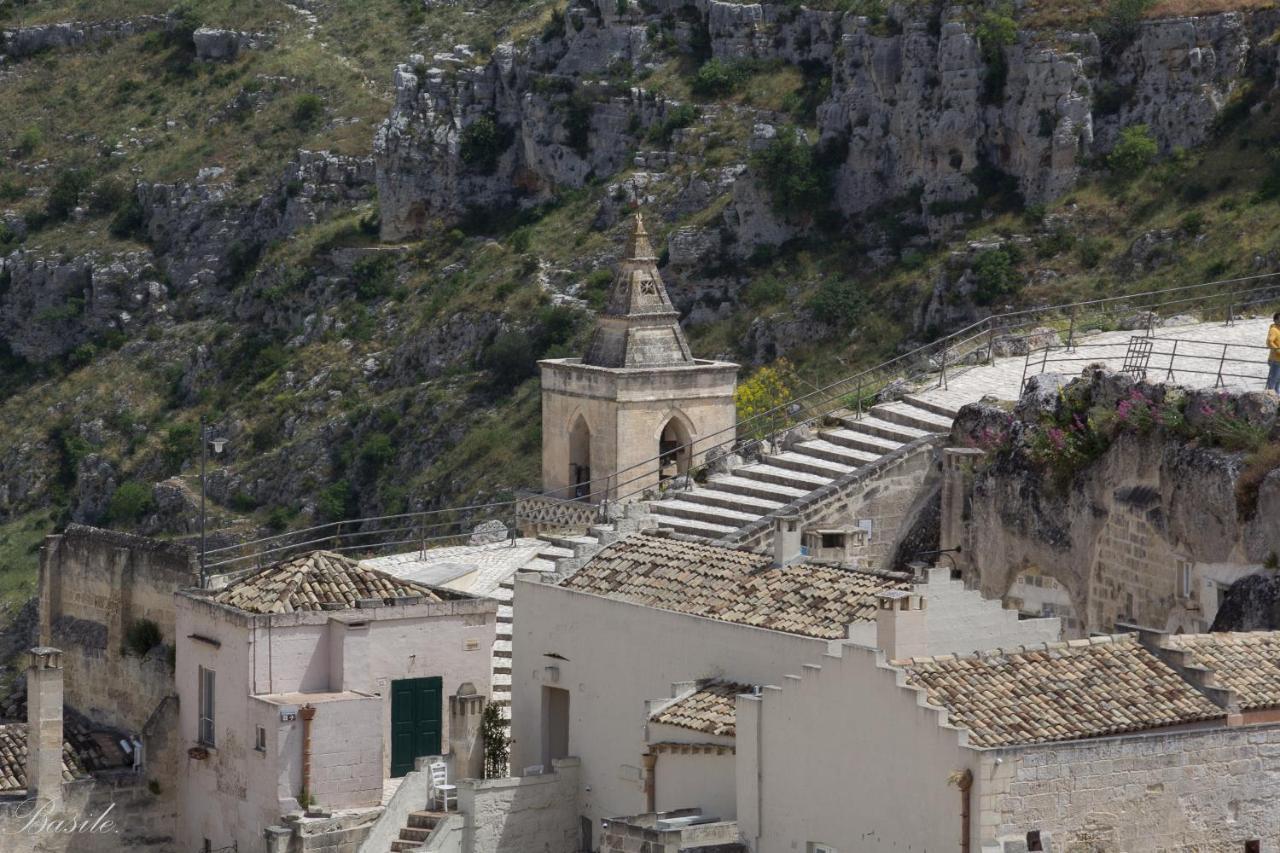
{"points": [[308, 713], [965, 784], [649, 761]]}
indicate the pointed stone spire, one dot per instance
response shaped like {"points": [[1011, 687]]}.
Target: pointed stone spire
{"points": [[639, 326]]}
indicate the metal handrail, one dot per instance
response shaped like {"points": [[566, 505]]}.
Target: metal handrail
{"points": [[764, 429]]}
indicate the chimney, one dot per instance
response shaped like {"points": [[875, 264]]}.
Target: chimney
{"points": [[901, 627], [786, 540], [44, 726]]}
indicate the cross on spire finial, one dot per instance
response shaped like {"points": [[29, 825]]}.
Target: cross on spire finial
{"points": [[638, 246]]}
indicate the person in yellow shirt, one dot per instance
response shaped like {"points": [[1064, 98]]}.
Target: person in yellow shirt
{"points": [[1273, 362]]}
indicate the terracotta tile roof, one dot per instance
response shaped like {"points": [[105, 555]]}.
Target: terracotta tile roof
{"points": [[709, 709], [1058, 691], [733, 586], [321, 580], [1247, 663], [13, 759]]}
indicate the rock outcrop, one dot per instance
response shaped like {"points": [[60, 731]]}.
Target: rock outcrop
{"points": [[1112, 532], [23, 42], [913, 104]]}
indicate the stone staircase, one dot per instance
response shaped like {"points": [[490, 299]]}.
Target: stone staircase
{"points": [[556, 547], [414, 835], [751, 491]]}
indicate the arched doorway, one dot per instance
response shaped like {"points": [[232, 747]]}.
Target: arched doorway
{"points": [[673, 449], [580, 459]]}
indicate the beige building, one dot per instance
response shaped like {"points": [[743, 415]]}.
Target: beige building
{"points": [[314, 682], [637, 408], [1103, 744]]}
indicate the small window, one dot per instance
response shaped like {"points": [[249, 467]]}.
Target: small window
{"points": [[1184, 579], [1254, 846], [260, 739], [206, 705], [833, 540], [1033, 841], [207, 847]]}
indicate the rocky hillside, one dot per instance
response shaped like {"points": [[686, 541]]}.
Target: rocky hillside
{"points": [[342, 233]]}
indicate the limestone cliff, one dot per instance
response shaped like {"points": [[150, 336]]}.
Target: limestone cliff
{"points": [[912, 105]]}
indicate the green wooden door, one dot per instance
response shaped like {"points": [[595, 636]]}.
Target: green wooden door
{"points": [[416, 707]]}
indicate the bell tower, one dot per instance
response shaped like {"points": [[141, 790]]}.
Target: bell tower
{"points": [[637, 408]]}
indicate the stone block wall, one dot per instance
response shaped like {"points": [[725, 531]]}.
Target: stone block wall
{"points": [[883, 493], [1207, 789], [522, 814], [94, 585], [116, 811], [641, 835]]}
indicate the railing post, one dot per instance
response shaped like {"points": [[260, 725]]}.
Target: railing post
{"points": [[991, 345], [945, 344], [1071, 333], [1173, 355], [859, 393], [1231, 313], [1221, 363]]}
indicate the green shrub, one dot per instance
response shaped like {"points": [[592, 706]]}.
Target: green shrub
{"points": [[131, 501], [278, 518], [1091, 250], [307, 110], [995, 276], [995, 31], [497, 747], [1192, 223], [764, 290], [577, 124], [377, 450], [336, 502], [676, 118], [29, 141], [128, 221], [109, 196], [1119, 24], [1134, 152], [64, 195], [718, 78], [838, 301], [374, 276], [143, 636], [792, 173], [180, 444], [483, 142]]}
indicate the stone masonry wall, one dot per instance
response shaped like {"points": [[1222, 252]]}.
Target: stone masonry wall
{"points": [[1209, 789], [522, 814], [95, 584], [883, 493]]}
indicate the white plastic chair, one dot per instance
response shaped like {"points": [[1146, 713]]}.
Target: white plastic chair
{"points": [[441, 791]]}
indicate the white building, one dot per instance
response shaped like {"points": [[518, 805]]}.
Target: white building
{"points": [[315, 680], [600, 657]]}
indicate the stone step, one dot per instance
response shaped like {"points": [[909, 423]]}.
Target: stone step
{"points": [[682, 508], [807, 464], [501, 656], [502, 670], [769, 473], [859, 440], [502, 646], [938, 407], [690, 526], [425, 819], [567, 540], [886, 429], [399, 846], [502, 681], [504, 620], [773, 492], [913, 416], [553, 552], [711, 495], [832, 452], [502, 593], [415, 833]]}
